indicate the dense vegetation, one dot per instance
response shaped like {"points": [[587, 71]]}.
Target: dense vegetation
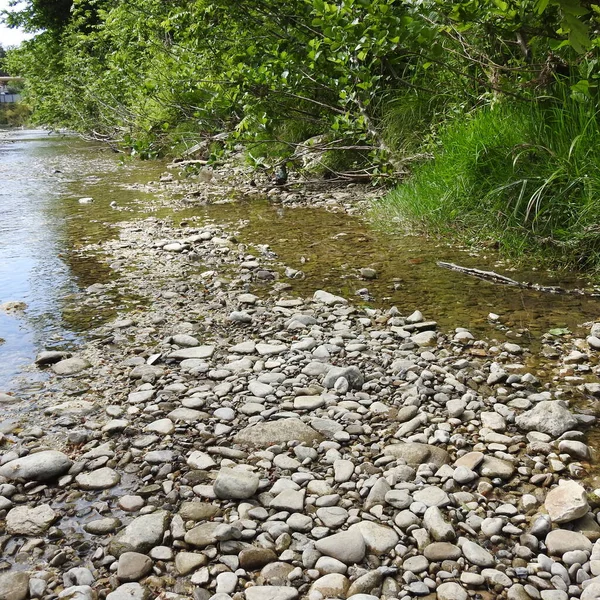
{"points": [[487, 110]]}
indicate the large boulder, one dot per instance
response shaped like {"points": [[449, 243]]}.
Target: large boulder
{"points": [[566, 502], [23, 520], [40, 466], [548, 416]]}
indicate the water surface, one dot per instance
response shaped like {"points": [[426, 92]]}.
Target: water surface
{"points": [[45, 262]]}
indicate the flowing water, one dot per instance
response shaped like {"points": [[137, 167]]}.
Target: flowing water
{"points": [[43, 228]]}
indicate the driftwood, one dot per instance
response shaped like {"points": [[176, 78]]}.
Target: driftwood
{"points": [[493, 277]]}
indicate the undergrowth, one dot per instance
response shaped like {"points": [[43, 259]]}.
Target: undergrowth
{"points": [[524, 176]]}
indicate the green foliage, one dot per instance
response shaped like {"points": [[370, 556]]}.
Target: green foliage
{"points": [[14, 115], [526, 176], [384, 82]]}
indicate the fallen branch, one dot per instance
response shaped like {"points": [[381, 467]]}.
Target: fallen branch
{"points": [[498, 279]]}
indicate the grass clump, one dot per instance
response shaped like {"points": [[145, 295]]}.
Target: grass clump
{"points": [[525, 176]]}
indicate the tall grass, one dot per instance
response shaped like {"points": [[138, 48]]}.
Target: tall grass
{"points": [[525, 176]]}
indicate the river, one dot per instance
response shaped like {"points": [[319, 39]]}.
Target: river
{"points": [[44, 264]]}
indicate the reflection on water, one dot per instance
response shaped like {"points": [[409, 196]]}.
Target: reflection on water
{"points": [[44, 231], [331, 248], [42, 225]]}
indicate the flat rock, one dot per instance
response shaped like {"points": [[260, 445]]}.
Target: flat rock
{"points": [[23, 520], [14, 585], [328, 299], [186, 562], [440, 551], [142, 534], [6, 399], [203, 535], [100, 479], [332, 585], [71, 366], [271, 592], [268, 433], [39, 466], [566, 502], [415, 454], [560, 541], [198, 353], [308, 402], [548, 416], [198, 511], [496, 467]]}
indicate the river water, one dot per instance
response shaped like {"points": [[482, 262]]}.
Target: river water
{"points": [[43, 262]]}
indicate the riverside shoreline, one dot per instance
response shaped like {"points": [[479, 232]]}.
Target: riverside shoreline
{"points": [[234, 440]]}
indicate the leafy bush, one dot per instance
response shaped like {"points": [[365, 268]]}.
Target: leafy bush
{"points": [[524, 175]]}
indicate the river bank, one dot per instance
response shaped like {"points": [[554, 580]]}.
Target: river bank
{"points": [[231, 437]]}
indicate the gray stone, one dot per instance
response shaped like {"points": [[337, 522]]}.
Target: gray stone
{"points": [[265, 434], [432, 496], [142, 534], [440, 551], [415, 564], [235, 484], [14, 585], [439, 529], [197, 353], [78, 592], [23, 520], [71, 366], [548, 416], [451, 591], [496, 467], [39, 466], [378, 538], [203, 535], [566, 502], [308, 402], [560, 541], [352, 375], [346, 546], [268, 592], [102, 526], [49, 357], [133, 566], [332, 516], [186, 562], [415, 454], [475, 554], [327, 298], [333, 585], [100, 479], [129, 591]]}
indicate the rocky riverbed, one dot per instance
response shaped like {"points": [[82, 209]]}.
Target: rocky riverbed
{"points": [[235, 441]]}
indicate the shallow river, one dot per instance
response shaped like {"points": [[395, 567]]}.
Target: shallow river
{"points": [[42, 226]]}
